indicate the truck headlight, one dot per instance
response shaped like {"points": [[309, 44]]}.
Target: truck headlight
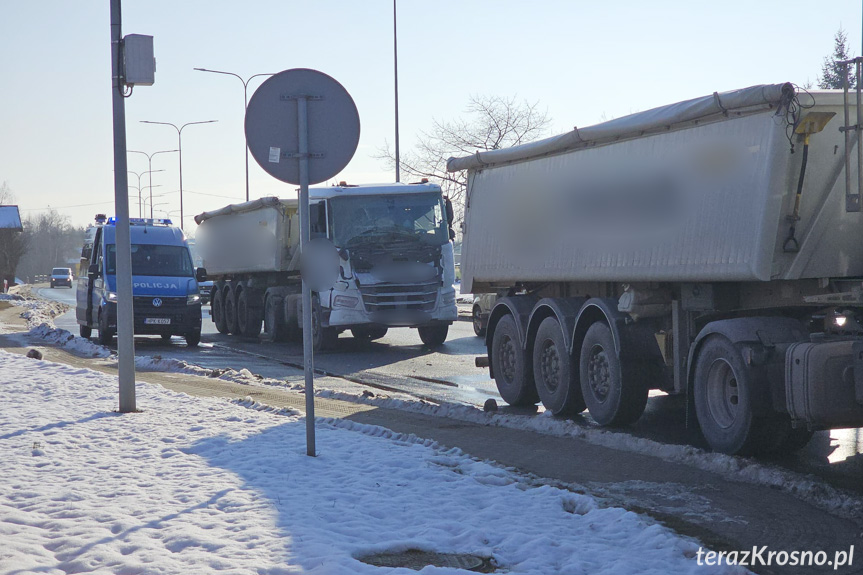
{"points": [[111, 296], [345, 301], [193, 298]]}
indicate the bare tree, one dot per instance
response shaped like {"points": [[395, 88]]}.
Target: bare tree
{"points": [[13, 244], [52, 242], [490, 123]]}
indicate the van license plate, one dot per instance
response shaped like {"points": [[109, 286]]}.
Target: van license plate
{"points": [[157, 321]]}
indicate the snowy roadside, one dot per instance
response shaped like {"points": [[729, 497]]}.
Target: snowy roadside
{"points": [[805, 487], [198, 485]]}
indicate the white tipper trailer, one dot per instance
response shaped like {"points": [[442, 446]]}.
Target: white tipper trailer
{"points": [[712, 248], [396, 266]]}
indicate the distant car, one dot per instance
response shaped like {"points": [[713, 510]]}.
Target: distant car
{"points": [[482, 305], [61, 277]]}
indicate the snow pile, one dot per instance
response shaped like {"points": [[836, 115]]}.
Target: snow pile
{"points": [[68, 341], [198, 485]]}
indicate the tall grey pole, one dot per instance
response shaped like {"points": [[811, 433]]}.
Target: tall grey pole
{"points": [[125, 317], [396, 74], [305, 237]]}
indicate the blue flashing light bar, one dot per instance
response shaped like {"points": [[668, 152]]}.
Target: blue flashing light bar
{"points": [[112, 221]]}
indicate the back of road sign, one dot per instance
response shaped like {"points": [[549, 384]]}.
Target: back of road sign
{"points": [[272, 126]]}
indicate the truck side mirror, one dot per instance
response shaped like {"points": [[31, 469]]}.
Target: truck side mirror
{"points": [[200, 274], [93, 271]]}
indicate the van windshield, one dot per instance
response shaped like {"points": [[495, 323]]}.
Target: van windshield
{"points": [[153, 260]]}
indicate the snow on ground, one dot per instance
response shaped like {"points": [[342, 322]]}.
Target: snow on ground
{"points": [[807, 488], [200, 485]]}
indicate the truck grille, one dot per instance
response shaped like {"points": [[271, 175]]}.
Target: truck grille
{"points": [[385, 297]]}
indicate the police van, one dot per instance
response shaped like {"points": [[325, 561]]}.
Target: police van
{"points": [[166, 300]]}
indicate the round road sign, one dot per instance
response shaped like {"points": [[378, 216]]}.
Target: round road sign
{"points": [[272, 130]]}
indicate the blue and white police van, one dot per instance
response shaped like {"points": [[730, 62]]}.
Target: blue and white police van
{"points": [[166, 300]]}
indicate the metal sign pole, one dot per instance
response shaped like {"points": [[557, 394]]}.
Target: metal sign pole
{"points": [[125, 315], [305, 237]]}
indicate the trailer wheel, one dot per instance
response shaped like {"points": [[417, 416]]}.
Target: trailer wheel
{"points": [[248, 318], [273, 326], [478, 328], [231, 310], [85, 330], [512, 375], [433, 335], [553, 372], [217, 306], [722, 398], [611, 398]]}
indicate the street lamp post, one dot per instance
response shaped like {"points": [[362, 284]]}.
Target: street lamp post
{"points": [[151, 199], [150, 168], [180, 150], [136, 174], [245, 105]]}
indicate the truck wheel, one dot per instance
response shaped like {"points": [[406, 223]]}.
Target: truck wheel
{"points": [[231, 311], [248, 318], [193, 338], [368, 333], [273, 326], [323, 338], [433, 335], [478, 329], [555, 379], [612, 399], [722, 398], [512, 376], [106, 335], [85, 330], [218, 308]]}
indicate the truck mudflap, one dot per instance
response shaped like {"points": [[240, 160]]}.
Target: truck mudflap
{"points": [[823, 383]]}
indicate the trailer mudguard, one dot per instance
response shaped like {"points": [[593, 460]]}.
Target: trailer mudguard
{"points": [[633, 341], [519, 307], [564, 309]]}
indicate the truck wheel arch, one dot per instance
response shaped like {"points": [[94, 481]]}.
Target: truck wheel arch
{"points": [[565, 310], [519, 307]]}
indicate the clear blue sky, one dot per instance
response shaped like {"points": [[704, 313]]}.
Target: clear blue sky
{"points": [[582, 60]]}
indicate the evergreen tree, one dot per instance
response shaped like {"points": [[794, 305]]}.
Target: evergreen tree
{"points": [[832, 70]]}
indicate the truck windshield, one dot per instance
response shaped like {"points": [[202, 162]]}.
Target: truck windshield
{"points": [[154, 260], [363, 219]]}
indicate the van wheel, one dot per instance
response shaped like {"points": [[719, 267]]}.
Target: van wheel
{"points": [[553, 372], [106, 335], [85, 330], [231, 311], [218, 308], [723, 404], [513, 377], [166, 337], [193, 338], [612, 397]]}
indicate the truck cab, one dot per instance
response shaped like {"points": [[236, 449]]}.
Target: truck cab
{"points": [[166, 299]]}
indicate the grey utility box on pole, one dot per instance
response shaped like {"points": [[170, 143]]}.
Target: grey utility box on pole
{"points": [[138, 61], [303, 128]]}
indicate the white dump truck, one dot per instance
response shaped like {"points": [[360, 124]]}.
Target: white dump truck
{"points": [[712, 248], [396, 263]]}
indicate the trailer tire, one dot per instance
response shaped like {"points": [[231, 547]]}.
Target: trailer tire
{"points": [[478, 328], [512, 375], [612, 398], [556, 381], [723, 385], [249, 319], [274, 327], [433, 335], [231, 310], [85, 330], [217, 306]]}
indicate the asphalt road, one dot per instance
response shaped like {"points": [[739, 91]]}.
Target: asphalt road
{"points": [[399, 362]]}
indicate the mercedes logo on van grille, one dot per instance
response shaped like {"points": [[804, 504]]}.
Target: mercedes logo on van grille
{"points": [[157, 302]]}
